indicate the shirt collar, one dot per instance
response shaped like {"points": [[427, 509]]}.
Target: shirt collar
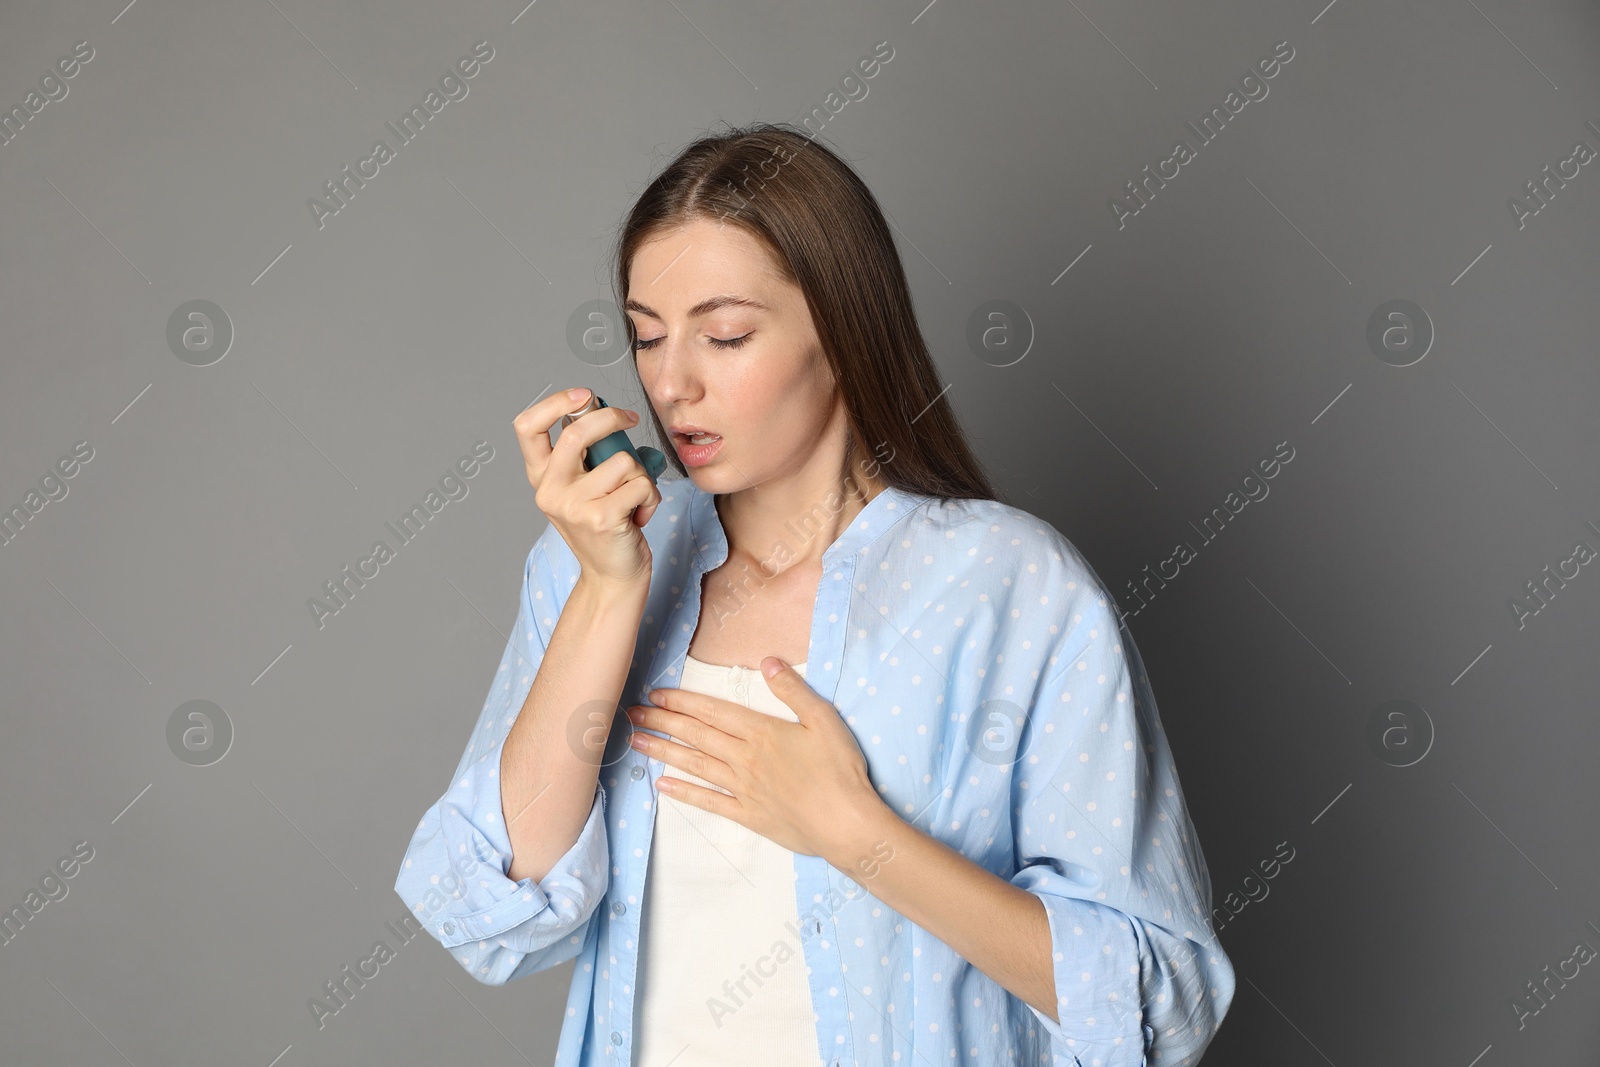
{"points": [[880, 513]]}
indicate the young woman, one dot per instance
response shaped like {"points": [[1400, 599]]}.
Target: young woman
{"points": [[816, 754]]}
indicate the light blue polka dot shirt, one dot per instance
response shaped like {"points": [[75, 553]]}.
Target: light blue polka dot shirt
{"points": [[1002, 709]]}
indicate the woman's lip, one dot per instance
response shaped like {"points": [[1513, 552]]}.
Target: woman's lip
{"points": [[694, 455]]}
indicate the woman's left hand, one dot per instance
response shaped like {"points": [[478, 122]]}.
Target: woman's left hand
{"points": [[803, 785]]}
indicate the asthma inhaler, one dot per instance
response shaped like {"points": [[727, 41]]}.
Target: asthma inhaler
{"points": [[651, 459]]}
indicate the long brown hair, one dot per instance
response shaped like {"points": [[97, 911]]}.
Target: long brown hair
{"points": [[828, 236]]}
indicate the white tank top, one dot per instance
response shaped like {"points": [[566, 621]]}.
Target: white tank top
{"points": [[721, 971]]}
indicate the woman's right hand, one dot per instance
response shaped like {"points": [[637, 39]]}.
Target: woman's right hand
{"points": [[599, 513]]}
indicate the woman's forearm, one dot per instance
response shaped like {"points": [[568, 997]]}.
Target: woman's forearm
{"points": [[997, 927], [551, 758]]}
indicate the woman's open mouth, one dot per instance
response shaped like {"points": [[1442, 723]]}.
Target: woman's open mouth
{"points": [[696, 449]]}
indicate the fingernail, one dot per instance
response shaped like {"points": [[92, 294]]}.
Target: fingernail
{"points": [[579, 393], [633, 416]]}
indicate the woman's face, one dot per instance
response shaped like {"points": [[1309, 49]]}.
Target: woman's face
{"points": [[726, 345]]}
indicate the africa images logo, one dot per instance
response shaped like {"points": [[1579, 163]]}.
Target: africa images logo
{"points": [[451, 87]]}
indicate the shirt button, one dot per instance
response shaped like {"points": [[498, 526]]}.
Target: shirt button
{"points": [[618, 908], [616, 1039], [449, 928], [637, 773]]}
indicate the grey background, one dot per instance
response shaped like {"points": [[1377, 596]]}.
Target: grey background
{"points": [[1227, 316]]}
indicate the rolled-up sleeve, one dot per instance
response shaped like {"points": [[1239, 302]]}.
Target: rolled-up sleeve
{"points": [[453, 876], [1103, 838]]}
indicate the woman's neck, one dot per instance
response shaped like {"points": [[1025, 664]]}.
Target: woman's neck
{"points": [[779, 525]]}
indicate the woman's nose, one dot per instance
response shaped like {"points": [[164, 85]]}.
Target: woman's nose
{"points": [[673, 378]]}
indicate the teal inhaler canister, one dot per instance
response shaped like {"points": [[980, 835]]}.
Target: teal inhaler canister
{"points": [[651, 459]]}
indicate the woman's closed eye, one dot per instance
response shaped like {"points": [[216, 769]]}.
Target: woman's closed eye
{"points": [[719, 342]]}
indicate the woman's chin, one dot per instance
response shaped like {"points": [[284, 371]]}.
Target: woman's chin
{"points": [[717, 478]]}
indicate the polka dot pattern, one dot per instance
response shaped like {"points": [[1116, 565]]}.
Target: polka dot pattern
{"points": [[1002, 708]]}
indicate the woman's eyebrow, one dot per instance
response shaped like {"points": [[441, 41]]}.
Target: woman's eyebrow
{"points": [[704, 307]]}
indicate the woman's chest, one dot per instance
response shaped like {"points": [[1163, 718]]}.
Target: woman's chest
{"points": [[746, 616]]}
